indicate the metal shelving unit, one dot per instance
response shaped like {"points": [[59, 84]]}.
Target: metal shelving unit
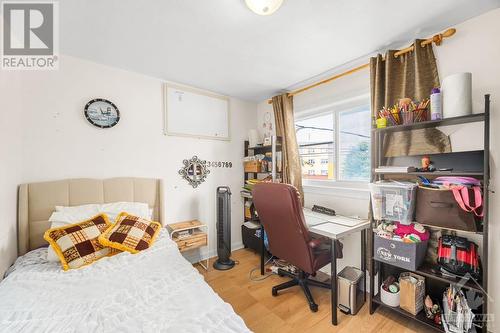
{"points": [[434, 278], [249, 151]]}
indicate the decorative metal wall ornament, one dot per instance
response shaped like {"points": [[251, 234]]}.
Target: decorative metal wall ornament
{"points": [[194, 171]]}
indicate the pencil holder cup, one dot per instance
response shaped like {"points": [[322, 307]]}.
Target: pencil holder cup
{"points": [[381, 123], [421, 114]]}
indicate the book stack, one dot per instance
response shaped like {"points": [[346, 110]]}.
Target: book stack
{"points": [[248, 187], [394, 169]]}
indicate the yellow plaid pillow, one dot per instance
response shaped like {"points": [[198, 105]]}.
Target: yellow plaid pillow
{"points": [[77, 244], [130, 233]]}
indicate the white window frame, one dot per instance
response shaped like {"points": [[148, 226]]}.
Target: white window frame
{"points": [[326, 186]]}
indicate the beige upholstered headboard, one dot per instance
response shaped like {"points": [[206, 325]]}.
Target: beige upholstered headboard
{"points": [[37, 201]]}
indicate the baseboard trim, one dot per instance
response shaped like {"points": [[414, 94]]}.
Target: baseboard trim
{"points": [[212, 253]]}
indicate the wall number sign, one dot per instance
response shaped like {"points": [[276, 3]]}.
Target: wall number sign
{"points": [[219, 164]]}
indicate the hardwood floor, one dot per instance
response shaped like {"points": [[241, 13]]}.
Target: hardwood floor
{"points": [[289, 311]]}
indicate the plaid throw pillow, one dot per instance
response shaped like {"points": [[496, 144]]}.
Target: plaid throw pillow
{"points": [[130, 233], [77, 245]]}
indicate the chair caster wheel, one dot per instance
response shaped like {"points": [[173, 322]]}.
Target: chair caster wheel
{"points": [[274, 292], [314, 307]]}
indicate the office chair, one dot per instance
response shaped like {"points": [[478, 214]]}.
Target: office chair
{"points": [[280, 212]]}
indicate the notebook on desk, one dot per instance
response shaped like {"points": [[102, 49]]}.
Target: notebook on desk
{"points": [[313, 218]]}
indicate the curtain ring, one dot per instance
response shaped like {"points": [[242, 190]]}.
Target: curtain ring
{"points": [[438, 39]]}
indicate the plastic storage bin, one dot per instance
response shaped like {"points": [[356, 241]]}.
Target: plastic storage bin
{"points": [[350, 296], [393, 201]]}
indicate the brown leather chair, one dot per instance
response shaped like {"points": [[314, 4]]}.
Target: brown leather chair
{"points": [[280, 212]]}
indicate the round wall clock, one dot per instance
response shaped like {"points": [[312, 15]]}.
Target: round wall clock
{"points": [[102, 113]]}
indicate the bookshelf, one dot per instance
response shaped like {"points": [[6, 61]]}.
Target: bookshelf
{"points": [[435, 280], [252, 237]]}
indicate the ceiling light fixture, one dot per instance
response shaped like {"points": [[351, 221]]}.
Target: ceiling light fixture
{"points": [[264, 7]]}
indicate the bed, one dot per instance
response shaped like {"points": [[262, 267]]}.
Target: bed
{"points": [[156, 290]]}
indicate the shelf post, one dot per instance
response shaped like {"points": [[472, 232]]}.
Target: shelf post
{"points": [[273, 157], [486, 190]]}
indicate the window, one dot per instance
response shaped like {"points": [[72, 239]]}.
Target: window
{"points": [[315, 139], [354, 144], [335, 145]]}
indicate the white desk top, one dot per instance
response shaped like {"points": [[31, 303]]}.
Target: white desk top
{"points": [[336, 231], [343, 220], [333, 227]]}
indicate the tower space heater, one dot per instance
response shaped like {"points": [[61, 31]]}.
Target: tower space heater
{"points": [[223, 226]]}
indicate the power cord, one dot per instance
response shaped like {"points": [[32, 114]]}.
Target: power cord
{"points": [[265, 276], [277, 264]]}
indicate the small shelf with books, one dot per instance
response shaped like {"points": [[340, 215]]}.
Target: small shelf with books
{"points": [[251, 229]]}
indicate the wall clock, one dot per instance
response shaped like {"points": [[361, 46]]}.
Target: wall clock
{"points": [[102, 113]]}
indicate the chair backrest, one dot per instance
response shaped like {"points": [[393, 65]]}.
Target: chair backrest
{"points": [[280, 212]]}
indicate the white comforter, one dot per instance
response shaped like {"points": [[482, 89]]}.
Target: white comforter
{"points": [[156, 290]]}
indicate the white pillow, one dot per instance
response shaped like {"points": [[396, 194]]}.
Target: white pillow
{"points": [[75, 214], [133, 208], [68, 215]]}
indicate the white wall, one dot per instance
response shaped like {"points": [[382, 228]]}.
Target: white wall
{"points": [[474, 49], [11, 120], [59, 143]]}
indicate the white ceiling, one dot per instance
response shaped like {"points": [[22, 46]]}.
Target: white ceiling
{"points": [[222, 46]]}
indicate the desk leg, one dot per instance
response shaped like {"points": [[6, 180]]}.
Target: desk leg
{"points": [[363, 261], [333, 279], [262, 251]]}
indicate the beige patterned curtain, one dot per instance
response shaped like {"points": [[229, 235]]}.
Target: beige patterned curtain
{"points": [[285, 128], [412, 75]]}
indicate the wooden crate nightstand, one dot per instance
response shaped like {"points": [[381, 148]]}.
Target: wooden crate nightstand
{"points": [[189, 235]]}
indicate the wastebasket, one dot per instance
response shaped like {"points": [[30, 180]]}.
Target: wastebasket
{"points": [[350, 296]]}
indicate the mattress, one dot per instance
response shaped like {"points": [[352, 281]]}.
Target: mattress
{"points": [[156, 290]]}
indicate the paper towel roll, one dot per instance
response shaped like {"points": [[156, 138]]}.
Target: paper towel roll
{"points": [[457, 95]]}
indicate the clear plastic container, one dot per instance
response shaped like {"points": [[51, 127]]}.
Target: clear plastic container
{"points": [[393, 201]]}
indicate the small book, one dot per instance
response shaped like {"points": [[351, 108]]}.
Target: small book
{"points": [[394, 169]]}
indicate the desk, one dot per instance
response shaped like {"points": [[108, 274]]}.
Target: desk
{"points": [[333, 227]]}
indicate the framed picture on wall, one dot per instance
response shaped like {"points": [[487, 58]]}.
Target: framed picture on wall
{"points": [[196, 113]]}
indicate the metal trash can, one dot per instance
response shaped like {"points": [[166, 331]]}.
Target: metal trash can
{"points": [[350, 297]]}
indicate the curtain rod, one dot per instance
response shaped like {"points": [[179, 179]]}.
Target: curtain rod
{"points": [[436, 39]]}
